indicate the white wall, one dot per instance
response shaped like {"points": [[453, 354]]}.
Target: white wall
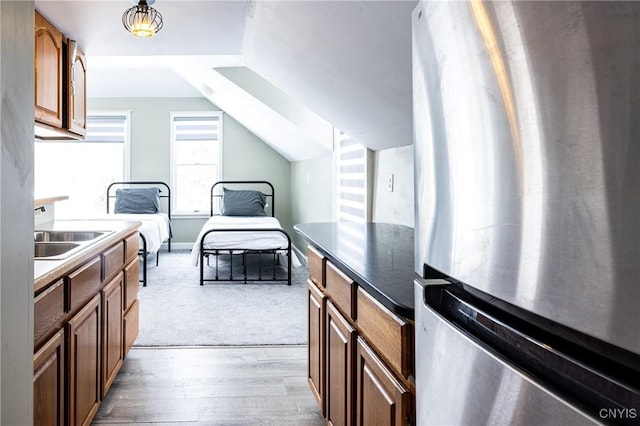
{"points": [[311, 193], [16, 212], [245, 157], [397, 206]]}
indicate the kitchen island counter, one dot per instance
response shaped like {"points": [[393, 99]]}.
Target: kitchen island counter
{"points": [[377, 256]]}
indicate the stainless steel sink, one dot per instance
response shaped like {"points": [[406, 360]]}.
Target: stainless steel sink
{"points": [[55, 245], [66, 236], [54, 249]]}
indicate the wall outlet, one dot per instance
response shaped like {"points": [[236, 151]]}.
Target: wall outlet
{"points": [[390, 183]]}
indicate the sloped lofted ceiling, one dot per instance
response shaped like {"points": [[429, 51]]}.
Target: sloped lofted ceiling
{"points": [[300, 67]]}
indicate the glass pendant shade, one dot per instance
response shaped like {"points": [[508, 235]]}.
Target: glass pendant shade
{"points": [[142, 20]]}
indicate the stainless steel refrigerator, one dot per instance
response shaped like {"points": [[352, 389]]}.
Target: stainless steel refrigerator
{"points": [[527, 151]]}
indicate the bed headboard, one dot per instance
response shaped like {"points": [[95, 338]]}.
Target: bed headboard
{"points": [[262, 185], [165, 192]]}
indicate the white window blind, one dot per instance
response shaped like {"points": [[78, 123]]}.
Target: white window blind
{"points": [[352, 191], [106, 128], [196, 139]]}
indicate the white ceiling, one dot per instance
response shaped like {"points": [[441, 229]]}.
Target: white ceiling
{"points": [[309, 64]]}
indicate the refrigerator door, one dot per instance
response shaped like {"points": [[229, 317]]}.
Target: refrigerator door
{"points": [[461, 382], [526, 147]]}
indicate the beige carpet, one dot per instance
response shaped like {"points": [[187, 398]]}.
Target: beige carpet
{"points": [[176, 311]]}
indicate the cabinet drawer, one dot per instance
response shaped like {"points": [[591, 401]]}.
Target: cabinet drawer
{"points": [[112, 261], [131, 282], [131, 246], [316, 264], [84, 283], [48, 311], [341, 290], [389, 334]]}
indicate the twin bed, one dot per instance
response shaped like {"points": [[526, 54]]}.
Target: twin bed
{"points": [[243, 241], [148, 202], [240, 230]]}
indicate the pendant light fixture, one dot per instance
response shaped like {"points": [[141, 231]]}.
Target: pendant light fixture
{"points": [[142, 20]]}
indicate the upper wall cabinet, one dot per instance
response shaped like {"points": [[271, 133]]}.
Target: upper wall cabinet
{"points": [[48, 61], [60, 84], [76, 88]]}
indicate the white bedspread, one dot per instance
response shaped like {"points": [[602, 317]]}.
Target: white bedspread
{"points": [[240, 240], [154, 227]]}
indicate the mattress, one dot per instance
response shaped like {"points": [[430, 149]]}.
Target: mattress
{"points": [[259, 240], [155, 227]]}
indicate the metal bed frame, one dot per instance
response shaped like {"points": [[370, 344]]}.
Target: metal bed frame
{"points": [[244, 253], [143, 251]]}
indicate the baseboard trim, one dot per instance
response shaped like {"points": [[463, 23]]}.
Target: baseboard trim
{"points": [[177, 246], [300, 254]]}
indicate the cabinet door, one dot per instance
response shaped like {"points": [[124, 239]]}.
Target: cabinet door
{"points": [[76, 89], [83, 352], [315, 373], [48, 382], [381, 399], [339, 364], [131, 325], [48, 61], [112, 331]]}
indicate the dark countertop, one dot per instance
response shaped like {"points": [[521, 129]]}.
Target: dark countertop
{"points": [[377, 256]]}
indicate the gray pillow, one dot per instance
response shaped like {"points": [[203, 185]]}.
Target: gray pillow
{"points": [[137, 200], [243, 203]]}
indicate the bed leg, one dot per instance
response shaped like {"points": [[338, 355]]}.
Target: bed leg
{"points": [[144, 260], [202, 267], [274, 265], [244, 265], [157, 257]]}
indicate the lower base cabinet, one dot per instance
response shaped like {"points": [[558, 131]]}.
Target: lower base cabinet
{"points": [[360, 363], [48, 382], [85, 322], [84, 338], [381, 398]]}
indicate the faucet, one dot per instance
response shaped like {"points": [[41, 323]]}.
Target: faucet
{"points": [[41, 208]]}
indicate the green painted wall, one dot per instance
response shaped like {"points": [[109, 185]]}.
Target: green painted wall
{"points": [[245, 156], [312, 192]]}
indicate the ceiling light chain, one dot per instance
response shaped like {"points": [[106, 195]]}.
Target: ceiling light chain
{"points": [[142, 20]]}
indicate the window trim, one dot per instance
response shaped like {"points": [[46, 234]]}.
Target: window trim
{"points": [[174, 211]]}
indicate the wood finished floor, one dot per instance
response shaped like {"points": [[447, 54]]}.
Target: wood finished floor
{"points": [[263, 385]]}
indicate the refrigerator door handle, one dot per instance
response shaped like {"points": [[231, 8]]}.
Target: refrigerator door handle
{"points": [[471, 367]]}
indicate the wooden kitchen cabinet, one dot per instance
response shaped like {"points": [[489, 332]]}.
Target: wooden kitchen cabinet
{"points": [[76, 113], [113, 331], [360, 353], [339, 355], [90, 318], [60, 84], [48, 72], [84, 367], [48, 382], [316, 302], [381, 399]]}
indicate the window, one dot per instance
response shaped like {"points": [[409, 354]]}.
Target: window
{"points": [[83, 169], [196, 144], [352, 180]]}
